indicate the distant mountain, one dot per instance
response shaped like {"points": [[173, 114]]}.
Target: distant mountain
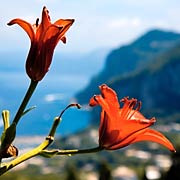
{"points": [[157, 85], [131, 58]]}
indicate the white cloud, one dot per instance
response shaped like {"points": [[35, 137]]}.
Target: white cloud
{"points": [[125, 22], [54, 97]]}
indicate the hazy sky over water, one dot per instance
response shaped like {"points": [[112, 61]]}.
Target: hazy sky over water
{"points": [[99, 23]]}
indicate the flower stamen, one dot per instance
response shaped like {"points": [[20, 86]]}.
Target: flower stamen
{"points": [[37, 22]]}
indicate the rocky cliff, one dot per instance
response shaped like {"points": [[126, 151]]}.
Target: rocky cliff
{"points": [[131, 58]]}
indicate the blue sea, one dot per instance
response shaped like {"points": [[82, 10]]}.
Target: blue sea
{"points": [[65, 78]]}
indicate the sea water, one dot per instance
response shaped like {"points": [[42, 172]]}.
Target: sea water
{"points": [[68, 75], [52, 95]]}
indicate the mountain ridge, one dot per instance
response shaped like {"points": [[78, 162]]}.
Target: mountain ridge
{"points": [[126, 59]]}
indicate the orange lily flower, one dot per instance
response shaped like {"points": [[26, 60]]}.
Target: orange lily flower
{"points": [[122, 126], [44, 38]]}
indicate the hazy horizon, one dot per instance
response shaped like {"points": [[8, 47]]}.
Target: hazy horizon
{"points": [[98, 24]]}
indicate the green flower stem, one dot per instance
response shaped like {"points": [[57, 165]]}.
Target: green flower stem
{"points": [[57, 120], [80, 151], [25, 101], [40, 150], [51, 153], [10, 130], [54, 127], [34, 152]]}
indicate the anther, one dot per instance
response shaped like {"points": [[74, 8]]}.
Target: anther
{"points": [[37, 22]]}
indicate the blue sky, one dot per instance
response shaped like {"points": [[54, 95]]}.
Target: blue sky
{"points": [[99, 23]]}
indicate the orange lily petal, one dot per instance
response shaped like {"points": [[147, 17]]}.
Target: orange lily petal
{"points": [[155, 136], [66, 25], [103, 126], [26, 26], [51, 34], [109, 95], [56, 33], [45, 23], [143, 135], [64, 22], [120, 127], [117, 133]]}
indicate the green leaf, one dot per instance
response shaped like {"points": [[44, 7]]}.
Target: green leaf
{"points": [[28, 110]]}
